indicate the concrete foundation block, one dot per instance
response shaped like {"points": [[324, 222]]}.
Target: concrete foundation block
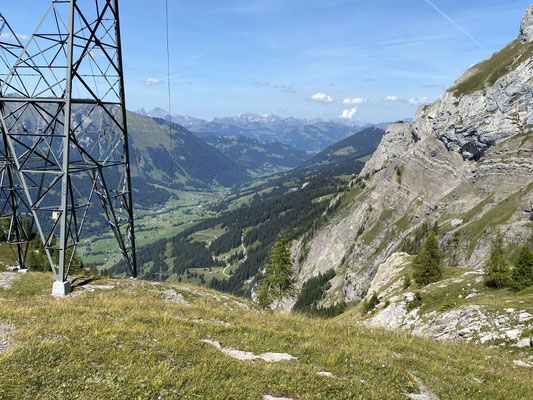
{"points": [[61, 289]]}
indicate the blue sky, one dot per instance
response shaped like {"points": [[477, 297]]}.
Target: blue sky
{"points": [[300, 58]]}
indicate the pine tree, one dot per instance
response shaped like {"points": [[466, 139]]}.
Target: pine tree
{"points": [[428, 262], [278, 281], [523, 269], [497, 267]]}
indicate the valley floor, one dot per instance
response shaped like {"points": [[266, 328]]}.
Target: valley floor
{"points": [[117, 339]]}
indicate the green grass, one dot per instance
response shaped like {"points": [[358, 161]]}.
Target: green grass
{"points": [[497, 215], [453, 295], [488, 71], [129, 342], [402, 224], [180, 213], [473, 212], [208, 235], [7, 256], [369, 236]]}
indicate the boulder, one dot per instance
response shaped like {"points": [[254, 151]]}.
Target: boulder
{"points": [[409, 297], [456, 222]]}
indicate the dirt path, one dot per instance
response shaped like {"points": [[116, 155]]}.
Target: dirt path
{"points": [[240, 262]]}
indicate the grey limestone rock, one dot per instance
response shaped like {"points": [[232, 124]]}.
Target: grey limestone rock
{"points": [[526, 27]]}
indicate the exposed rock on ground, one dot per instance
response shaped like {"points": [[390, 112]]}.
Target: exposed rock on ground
{"points": [[525, 364], [5, 330], [7, 279], [175, 297], [248, 356], [447, 321], [89, 288], [425, 391], [478, 323]]}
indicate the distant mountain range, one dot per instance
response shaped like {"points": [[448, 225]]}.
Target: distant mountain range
{"points": [[311, 136], [165, 155]]}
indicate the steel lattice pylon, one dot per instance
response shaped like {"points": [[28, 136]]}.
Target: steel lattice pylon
{"points": [[64, 132]]}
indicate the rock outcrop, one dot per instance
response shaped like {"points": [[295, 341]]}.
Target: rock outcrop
{"points": [[526, 27], [471, 323], [451, 312]]}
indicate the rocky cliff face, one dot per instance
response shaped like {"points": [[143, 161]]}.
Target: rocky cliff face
{"points": [[526, 26], [465, 163]]}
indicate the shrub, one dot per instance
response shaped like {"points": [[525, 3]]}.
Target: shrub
{"points": [[406, 281], [417, 302], [370, 304]]}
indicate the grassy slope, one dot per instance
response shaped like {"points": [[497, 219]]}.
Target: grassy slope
{"points": [[7, 256], [129, 342], [488, 71], [357, 145]]}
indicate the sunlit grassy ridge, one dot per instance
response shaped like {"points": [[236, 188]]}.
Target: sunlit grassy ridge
{"points": [[140, 340], [488, 71]]}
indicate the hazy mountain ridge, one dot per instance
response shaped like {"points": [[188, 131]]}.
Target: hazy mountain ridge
{"points": [[311, 136], [171, 156]]}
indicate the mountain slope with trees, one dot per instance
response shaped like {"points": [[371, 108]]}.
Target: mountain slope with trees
{"points": [[342, 157], [259, 157]]}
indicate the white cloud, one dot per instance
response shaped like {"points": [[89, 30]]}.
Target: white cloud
{"points": [[263, 83], [349, 114], [419, 101], [355, 101], [8, 35], [322, 97], [151, 81], [97, 54], [392, 98]]}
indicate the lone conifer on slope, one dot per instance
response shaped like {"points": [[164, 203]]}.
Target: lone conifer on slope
{"points": [[497, 266], [278, 281], [428, 262], [523, 268]]}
